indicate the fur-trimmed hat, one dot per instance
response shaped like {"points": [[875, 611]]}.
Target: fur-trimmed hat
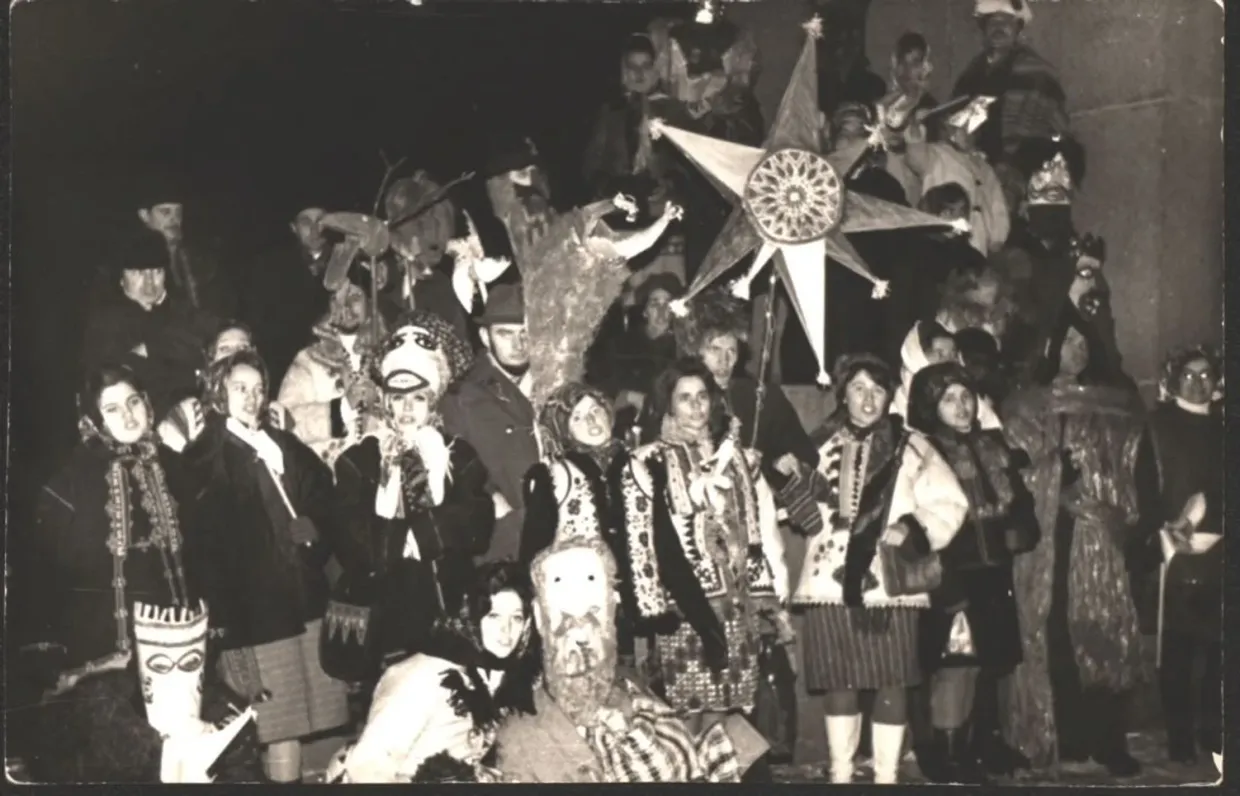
{"points": [[143, 250], [712, 313], [1017, 8], [422, 352]]}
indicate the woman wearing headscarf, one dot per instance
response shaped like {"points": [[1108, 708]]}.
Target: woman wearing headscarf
{"points": [[413, 498], [265, 511], [574, 490], [704, 550], [872, 485], [972, 627], [111, 528], [1084, 426], [930, 343], [111, 542], [187, 419], [434, 716]]}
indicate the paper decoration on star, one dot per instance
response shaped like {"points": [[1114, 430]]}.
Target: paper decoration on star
{"points": [[791, 202]]}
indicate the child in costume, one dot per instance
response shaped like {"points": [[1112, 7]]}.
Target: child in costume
{"points": [[1188, 434]]}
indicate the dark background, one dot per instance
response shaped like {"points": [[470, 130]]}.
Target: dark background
{"points": [[258, 109]]}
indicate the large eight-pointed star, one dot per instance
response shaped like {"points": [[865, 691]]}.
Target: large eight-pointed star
{"points": [[791, 201]]}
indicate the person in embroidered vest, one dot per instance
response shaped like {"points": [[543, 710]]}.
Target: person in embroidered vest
{"points": [[873, 484], [1083, 424], [489, 407], [114, 515], [572, 492], [435, 715], [1188, 434], [328, 391], [706, 556], [971, 637], [413, 498], [155, 714], [590, 721], [266, 510]]}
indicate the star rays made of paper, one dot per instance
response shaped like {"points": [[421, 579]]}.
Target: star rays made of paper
{"points": [[790, 200]]}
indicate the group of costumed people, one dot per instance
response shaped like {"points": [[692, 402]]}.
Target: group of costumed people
{"points": [[544, 578]]}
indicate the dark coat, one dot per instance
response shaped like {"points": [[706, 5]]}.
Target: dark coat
{"points": [[487, 410], [283, 299], [262, 586], [432, 293], [174, 333], [977, 573], [622, 359], [1191, 459], [71, 568], [779, 428], [214, 289], [448, 537]]}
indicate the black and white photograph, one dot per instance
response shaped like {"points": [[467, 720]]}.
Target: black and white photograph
{"points": [[646, 391]]}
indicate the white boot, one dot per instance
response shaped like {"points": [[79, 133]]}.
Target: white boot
{"points": [[843, 735], [888, 749]]}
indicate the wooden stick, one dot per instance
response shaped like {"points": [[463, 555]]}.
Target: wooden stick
{"points": [[389, 169], [768, 344]]}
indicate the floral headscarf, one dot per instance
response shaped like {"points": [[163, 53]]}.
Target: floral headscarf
{"points": [[554, 418]]}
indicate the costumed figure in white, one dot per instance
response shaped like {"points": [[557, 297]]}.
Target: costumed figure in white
{"points": [[328, 392], [435, 715], [874, 487], [590, 722]]}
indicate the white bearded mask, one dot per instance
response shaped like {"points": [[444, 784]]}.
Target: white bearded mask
{"points": [[172, 649]]}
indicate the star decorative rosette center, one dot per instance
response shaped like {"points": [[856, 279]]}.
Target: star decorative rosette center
{"points": [[794, 196]]}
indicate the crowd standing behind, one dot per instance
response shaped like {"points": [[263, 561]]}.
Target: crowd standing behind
{"points": [[482, 576]]}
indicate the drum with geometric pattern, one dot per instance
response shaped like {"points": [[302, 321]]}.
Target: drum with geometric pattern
{"points": [[794, 196]]}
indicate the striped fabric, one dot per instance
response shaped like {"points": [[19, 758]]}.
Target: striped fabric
{"points": [[304, 700], [851, 649], [658, 747]]}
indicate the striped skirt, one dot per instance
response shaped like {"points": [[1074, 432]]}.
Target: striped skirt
{"points": [[856, 649], [303, 701]]}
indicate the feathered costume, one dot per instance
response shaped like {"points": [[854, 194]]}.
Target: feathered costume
{"points": [[572, 275]]}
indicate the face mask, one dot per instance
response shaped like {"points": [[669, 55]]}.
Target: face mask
{"points": [[171, 645], [172, 648]]}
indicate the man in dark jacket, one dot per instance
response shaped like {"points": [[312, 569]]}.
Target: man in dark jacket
{"points": [[138, 322], [193, 274], [284, 296], [490, 409]]}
